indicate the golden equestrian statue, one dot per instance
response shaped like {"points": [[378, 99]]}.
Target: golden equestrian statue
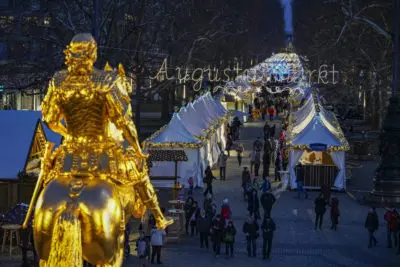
{"points": [[97, 178]]}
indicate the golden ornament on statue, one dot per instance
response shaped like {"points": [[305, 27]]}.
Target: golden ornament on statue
{"points": [[90, 186]]}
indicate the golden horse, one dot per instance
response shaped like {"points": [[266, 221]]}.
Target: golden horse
{"points": [[97, 178]]}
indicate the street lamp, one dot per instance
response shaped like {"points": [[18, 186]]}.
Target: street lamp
{"points": [[387, 180]]}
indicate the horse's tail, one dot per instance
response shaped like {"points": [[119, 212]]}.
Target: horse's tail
{"points": [[66, 243]]}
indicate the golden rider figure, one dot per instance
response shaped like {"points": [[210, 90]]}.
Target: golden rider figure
{"points": [[93, 182]]}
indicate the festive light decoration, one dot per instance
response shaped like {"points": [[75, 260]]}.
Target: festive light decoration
{"points": [[89, 160], [333, 126]]}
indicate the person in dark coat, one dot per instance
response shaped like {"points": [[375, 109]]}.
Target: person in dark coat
{"points": [[268, 228], [250, 228], [267, 200], [266, 131], [208, 207], [246, 178], [372, 224], [272, 131], [253, 204], [300, 181], [277, 167], [208, 180], [229, 238], [320, 209], [217, 227], [189, 210], [335, 213], [257, 163], [203, 227], [266, 163]]}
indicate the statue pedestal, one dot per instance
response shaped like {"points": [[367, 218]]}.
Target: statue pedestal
{"points": [[387, 180]]}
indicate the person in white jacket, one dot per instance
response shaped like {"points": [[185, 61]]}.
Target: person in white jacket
{"points": [[157, 241]]}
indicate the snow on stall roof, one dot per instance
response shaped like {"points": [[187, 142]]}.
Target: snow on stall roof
{"points": [[18, 129], [175, 131]]}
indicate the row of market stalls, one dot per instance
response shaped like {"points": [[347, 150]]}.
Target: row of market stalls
{"points": [[198, 129], [315, 138]]}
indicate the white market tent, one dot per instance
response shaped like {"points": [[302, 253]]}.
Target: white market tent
{"points": [[179, 138], [198, 129], [312, 125]]}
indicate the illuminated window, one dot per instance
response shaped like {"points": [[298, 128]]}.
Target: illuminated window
{"points": [[129, 17], [47, 21]]}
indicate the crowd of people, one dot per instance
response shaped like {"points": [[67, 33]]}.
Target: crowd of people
{"points": [[213, 224]]}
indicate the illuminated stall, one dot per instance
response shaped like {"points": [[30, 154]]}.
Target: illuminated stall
{"points": [[316, 140]]}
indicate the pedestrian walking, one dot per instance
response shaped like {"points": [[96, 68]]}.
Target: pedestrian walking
{"points": [[203, 226], [257, 163], [300, 181], [277, 167], [372, 224], [239, 152], [222, 165], [208, 180], [157, 241], [193, 219], [268, 228], [252, 157], [189, 209], [257, 144], [190, 183], [208, 206], [266, 184], [335, 213], [250, 229], [229, 238], [390, 217], [246, 179], [217, 228], [320, 209], [272, 131], [271, 112], [142, 249], [226, 212], [253, 205], [267, 200], [266, 131]]}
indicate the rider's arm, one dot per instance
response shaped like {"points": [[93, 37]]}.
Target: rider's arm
{"points": [[121, 117], [51, 111]]}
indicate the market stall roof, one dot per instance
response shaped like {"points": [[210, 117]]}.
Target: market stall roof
{"points": [[315, 125], [201, 107], [18, 131], [167, 155], [192, 120], [174, 134]]}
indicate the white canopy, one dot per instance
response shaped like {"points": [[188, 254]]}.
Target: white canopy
{"points": [[312, 124], [176, 132]]}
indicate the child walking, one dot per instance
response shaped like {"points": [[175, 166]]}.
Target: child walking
{"points": [[335, 213], [143, 249]]}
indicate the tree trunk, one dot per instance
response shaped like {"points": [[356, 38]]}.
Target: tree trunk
{"points": [[165, 105], [138, 103]]}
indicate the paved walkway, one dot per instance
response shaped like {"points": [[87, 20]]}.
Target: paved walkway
{"points": [[295, 242]]}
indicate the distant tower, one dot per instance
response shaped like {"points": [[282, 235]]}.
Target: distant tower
{"points": [[288, 20]]}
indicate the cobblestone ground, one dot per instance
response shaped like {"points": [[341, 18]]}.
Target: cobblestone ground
{"points": [[295, 242]]}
